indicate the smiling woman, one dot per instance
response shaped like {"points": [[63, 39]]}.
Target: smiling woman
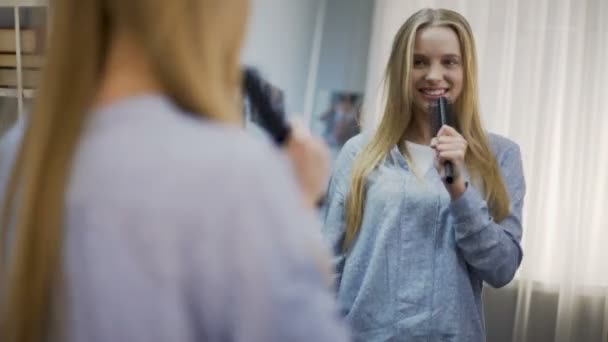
{"points": [[412, 251], [437, 70]]}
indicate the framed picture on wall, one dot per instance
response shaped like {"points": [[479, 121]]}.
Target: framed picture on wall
{"points": [[339, 118]]}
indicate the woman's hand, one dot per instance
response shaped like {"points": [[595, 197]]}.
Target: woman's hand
{"points": [[311, 162], [450, 146]]}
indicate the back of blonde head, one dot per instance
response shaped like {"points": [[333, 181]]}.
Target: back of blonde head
{"points": [[398, 116], [194, 50]]}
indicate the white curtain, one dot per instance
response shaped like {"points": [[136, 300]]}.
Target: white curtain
{"points": [[544, 84]]}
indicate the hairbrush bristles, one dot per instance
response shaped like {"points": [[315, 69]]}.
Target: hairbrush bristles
{"points": [[271, 115]]}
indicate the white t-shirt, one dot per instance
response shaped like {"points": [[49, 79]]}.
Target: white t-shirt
{"points": [[423, 157]]}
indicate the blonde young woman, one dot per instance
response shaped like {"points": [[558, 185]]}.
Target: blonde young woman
{"points": [[138, 210], [413, 252]]}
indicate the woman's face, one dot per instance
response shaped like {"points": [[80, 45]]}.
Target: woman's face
{"points": [[438, 66]]}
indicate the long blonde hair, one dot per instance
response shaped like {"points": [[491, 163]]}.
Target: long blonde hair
{"points": [[194, 50], [398, 116]]}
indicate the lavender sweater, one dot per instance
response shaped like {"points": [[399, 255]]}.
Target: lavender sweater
{"points": [[183, 230]]}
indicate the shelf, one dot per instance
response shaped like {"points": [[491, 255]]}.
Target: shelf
{"points": [[19, 7], [12, 92], [24, 3]]}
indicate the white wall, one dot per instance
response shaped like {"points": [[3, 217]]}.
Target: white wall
{"points": [[345, 46], [279, 43]]}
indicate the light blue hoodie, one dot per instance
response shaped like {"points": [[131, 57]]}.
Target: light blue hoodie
{"points": [[417, 267]]}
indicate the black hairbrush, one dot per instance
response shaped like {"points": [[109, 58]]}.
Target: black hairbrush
{"points": [[442, 114], [270, 114]]}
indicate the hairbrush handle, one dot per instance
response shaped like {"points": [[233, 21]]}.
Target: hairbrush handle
{"points": [[449, 172]]}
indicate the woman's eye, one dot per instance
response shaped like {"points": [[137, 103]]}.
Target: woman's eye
{"points": [[418, 63]]}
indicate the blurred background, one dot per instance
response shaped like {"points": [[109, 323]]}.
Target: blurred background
{"points": [[21, 59]]}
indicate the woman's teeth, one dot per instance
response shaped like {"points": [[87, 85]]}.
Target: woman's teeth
{"points": [[434, 92]]}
